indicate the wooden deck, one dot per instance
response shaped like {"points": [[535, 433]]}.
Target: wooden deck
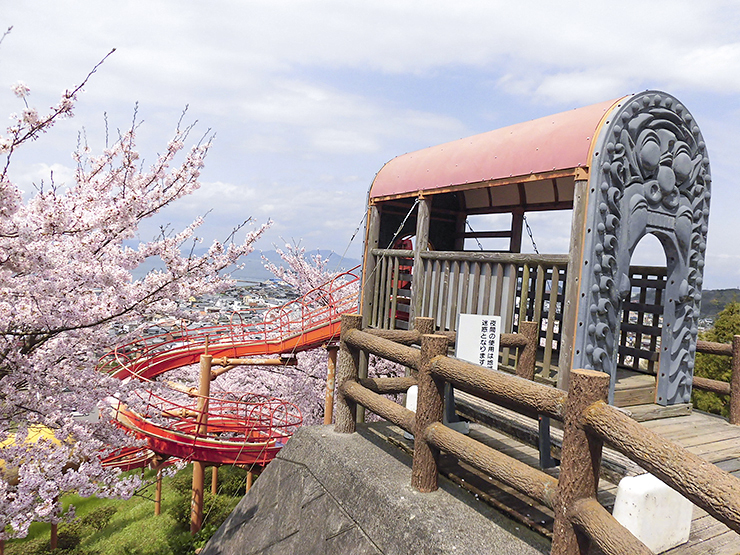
{"points": [[706, 435]]}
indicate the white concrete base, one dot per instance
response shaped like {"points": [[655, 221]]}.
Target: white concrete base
{"points": [[656, 514]]}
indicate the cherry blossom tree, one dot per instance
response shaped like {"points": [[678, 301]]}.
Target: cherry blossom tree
{"points": [[65, 278], [304, 384]]}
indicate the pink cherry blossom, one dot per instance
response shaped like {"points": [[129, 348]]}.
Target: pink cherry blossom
{"points": [[20, 89], [66, 256]]}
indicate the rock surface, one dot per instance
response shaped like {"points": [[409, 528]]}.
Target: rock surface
{"points": [[330, 493]]}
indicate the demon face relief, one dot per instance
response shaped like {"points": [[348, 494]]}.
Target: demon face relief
{"points": [[649, 175]]}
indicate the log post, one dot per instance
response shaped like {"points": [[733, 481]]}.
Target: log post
{"points": [[158, 494], [424, 325], [331, 367], [201, 429], [348, 366], [429, 409], [250, 480], [735, 382], [525, 366], [196, 501], [214, 480], [580, 460]]}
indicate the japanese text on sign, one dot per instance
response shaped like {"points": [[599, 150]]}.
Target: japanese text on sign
{"points": [[478, 339]]}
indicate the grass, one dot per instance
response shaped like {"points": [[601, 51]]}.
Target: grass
{"points": [[112, 526]]}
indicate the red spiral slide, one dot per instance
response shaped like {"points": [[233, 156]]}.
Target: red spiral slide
{"points": [[236, 428]]}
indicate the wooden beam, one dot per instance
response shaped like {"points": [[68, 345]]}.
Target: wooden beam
{"points": [[568, 324], [421, 245]]}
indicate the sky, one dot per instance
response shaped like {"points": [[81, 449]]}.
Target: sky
{"points": [[309, 98]]}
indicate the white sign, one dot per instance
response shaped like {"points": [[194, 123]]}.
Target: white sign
{"points": [[478, 338]]}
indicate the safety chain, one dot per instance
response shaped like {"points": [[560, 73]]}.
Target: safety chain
{"points": [[529, 232]]}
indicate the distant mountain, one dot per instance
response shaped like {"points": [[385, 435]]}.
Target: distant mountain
{"points": [[714, 300], [254, 269]]}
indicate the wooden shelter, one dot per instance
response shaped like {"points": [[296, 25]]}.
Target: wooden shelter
{"points": [[626, 168]]}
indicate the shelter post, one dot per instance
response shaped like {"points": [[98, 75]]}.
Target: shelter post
{"points": [[372, 238], [570, 304], [422, 244], [517, 224]]}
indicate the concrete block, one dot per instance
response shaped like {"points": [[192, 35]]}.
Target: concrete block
{"points": [[657, 515], [412, 395]]}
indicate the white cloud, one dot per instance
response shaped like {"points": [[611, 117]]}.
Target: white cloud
{"points": [[298, 90]]}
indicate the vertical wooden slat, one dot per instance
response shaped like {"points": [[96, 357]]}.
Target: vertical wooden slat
{"points": [[445, 277], [655, 339], [539, 295], [378, 301], [380, 321], [376, 292], [558, 328], [428, 278], [434, 300], [499, 288], [486, 283], [454, 293], [524, 297], [547, 358], [509, 307], [387, 293], [621, 358], [539, 291], [395, 277], [641, 322], [464, 305], [476, 288]]}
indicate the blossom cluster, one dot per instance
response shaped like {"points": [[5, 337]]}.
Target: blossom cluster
{"points": [[65, 278]]}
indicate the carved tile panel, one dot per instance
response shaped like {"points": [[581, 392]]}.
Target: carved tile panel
{"points": [[649, 174]]}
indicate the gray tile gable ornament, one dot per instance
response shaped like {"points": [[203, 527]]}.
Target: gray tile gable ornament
{"points": [[649, 175]]}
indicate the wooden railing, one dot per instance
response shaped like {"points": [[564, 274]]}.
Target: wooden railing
{"points": [[588, 422], [517, 287], [731, 388]]}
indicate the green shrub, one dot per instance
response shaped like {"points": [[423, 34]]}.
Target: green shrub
{"points": [[232, 480], [69, 537], [726, 325], [182, 482], [99, 518]]}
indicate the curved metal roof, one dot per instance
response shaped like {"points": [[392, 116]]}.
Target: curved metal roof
{"points": [[542, 149]]}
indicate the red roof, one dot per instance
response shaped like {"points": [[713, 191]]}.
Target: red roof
{"points": [[550, 144]]}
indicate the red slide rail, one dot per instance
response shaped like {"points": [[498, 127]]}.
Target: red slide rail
{"points": [[241, 428]]}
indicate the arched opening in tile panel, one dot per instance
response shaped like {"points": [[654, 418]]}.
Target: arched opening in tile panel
{"points": [[642, 312]]}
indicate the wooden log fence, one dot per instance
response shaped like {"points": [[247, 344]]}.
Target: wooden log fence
{"points": [[588, 423], [731, 388]]}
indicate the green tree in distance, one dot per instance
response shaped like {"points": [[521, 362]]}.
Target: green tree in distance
{"points": [[726, 325]]}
